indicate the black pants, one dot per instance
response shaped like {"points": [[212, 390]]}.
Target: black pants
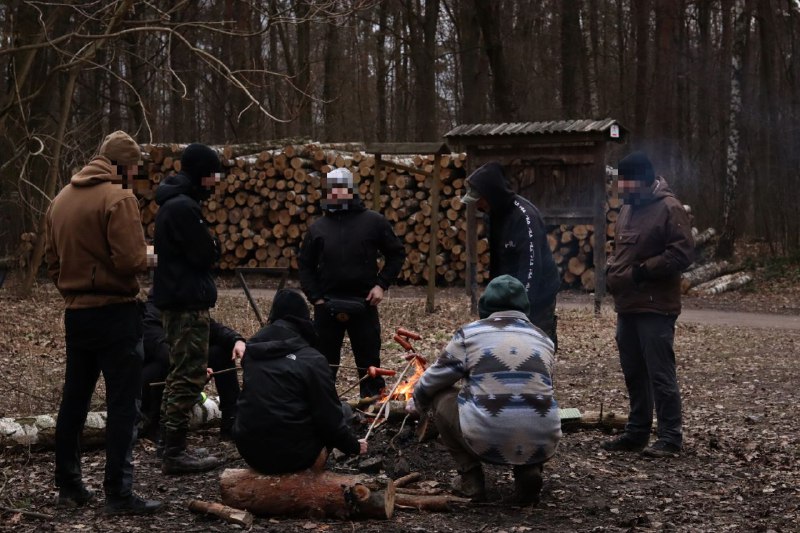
{"points": [[543, 316], [645, 342], [156, 368], [364, 330], [108, 340]]}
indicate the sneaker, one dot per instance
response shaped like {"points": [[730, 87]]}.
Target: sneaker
{"points": [[71, 498], [661, 449], [132, 504], [624, 443]]}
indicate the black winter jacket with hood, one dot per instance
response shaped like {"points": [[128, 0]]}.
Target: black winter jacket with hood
{"points": [[185, 248], [339, 254], [517, 237], [288, 409]]}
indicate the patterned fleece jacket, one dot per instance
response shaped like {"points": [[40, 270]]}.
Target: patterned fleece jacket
{"points": [[506, 407]]}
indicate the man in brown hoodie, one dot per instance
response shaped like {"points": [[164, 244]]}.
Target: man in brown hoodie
{"points": [[95, 248], [653, 245]]}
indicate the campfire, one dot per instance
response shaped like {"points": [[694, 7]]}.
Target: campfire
{"points": [[404, 389]]}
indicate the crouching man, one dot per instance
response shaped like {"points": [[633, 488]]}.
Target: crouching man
{"points": [[505, 412], [288, 410]]}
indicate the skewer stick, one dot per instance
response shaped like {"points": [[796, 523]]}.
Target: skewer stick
{"points": [[357, 383], [384, 404]]}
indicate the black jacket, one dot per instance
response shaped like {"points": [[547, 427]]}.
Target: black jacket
{"points": [[339, 254], [185, 248], [154, 337], [288, 405], [517, 237]]}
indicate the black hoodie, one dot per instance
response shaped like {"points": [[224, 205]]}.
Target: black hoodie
{"points": [[185, 248], [339, 254], [288, 409], [517, 237]]}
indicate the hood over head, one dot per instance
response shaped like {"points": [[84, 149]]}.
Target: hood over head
{"points": [[174, 185], [637, 167], [489, 181], [120, 149]]}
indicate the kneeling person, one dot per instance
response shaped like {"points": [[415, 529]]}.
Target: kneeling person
{"points": [[288, 410], [505, 412]]}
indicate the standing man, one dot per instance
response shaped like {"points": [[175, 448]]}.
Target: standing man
{"points": [[517, 243], [653, 245], [95, 248], [505, 366], [339, 275], [184, 290]]}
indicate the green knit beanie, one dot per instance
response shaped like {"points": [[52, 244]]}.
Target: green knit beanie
{"points": [[504, 293]]}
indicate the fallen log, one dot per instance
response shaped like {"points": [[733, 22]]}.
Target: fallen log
{"points": [[592, 419], [703, 238], [38, 433], [311, 493], [723, 284], [229, 514], [704, 273], [407, 479]]}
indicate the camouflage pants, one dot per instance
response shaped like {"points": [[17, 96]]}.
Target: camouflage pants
{"points": [[187, 334]]}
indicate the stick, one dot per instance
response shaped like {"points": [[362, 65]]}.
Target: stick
{"points": [[26, 513], [229, 514], [354, 386], [407, 479], [378, 414], [232, 369]]}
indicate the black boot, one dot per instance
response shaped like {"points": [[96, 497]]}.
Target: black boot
{"points": [[160, 441], [226, 423], [178, 461], [131, 504], [527, 484]]}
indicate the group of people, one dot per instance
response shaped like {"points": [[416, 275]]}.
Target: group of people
{"points": [[96, 248]]}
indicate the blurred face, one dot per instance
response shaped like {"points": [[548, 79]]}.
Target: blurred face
{"points": [[336, 194], [209, 182], [630, 191], [482, 205]]}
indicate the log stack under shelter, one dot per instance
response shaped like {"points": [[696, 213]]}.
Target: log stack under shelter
{"points": [[268, 197]]}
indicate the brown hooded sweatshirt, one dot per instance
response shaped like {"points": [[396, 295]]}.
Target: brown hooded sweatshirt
{"points": [[95, 241]]}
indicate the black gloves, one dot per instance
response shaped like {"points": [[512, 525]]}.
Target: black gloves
{"points": [[639, 273]]}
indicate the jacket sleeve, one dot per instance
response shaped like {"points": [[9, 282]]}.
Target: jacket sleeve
{"points": [[327, 409], [393, 250], [678, 251], [50, 251], [224, 336], [445, 372], [125, 237], [188, 228], [307, 263], [527, 261]]}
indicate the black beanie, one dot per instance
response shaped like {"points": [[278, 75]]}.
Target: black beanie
{"points": [[199, 161], [288, 302], [504, 293], [637, 167]]}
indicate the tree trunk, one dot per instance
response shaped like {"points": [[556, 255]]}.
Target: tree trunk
{"points": [[570, 57], [473, 76], [502, 86], [642, 90]]}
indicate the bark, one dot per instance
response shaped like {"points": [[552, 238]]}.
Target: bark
{"points": [[473, 73], [642, 94], [381, 73], [570, 57], [502, 84], [422, 27]]}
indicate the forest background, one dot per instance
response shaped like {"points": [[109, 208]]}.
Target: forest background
{"points": [[710, 88]]}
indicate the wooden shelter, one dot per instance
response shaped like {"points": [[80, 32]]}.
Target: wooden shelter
{"points": [[560, 166], [395, 149]]}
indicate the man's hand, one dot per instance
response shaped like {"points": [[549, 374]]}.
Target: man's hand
{"points": [[375, 296], [209, 372], [363, 446], [319, 302], [238, 350], [411, 407]]}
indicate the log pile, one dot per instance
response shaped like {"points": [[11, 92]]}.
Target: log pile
{"points": [[268, 197]]}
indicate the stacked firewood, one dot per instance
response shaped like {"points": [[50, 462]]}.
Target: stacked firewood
{"points": [[268, 197]]}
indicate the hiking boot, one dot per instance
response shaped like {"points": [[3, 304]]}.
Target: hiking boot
{"points": [[178, 461], [624, 443], [527, 484], [471, 484], [131, 504], [661, 449], [76, 497]]}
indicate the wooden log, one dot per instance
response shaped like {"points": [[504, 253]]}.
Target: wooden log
{"points": [[703, 238], [704, 273], [229, 514], [723, 284], [311, 493], [595, 419]]}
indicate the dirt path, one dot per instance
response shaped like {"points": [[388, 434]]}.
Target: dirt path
{"points": [[571, 300]]}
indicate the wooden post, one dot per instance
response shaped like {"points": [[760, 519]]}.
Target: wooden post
{"points": [[434, 228], [599, 226], [376, 184], [472, 259]]}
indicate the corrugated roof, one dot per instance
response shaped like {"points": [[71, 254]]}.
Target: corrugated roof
{"points": [[529, 128]]}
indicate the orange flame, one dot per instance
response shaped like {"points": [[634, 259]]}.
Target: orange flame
{"points": [[405, 390]]}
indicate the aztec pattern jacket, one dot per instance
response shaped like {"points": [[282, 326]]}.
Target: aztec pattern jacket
{"points": [[506, 407]]}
